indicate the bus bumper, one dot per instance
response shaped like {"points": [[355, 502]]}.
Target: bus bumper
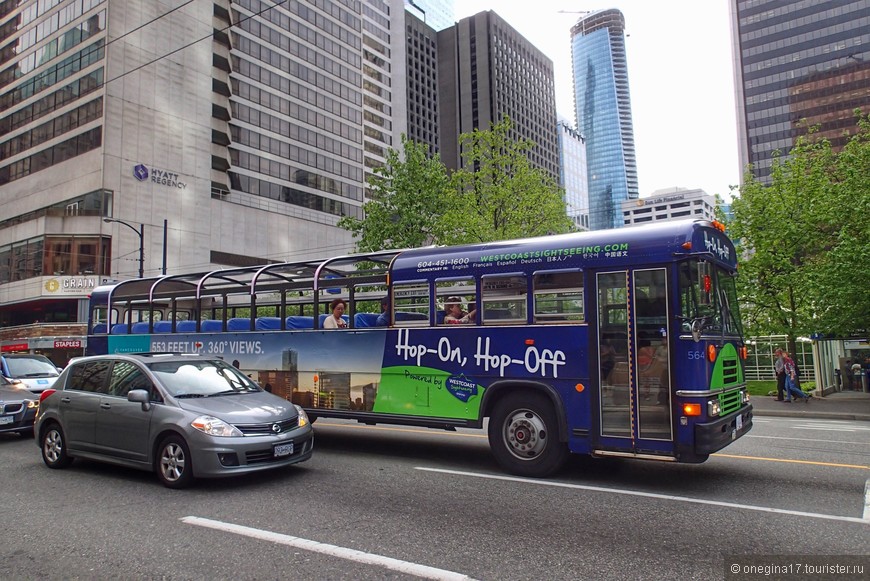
{"points": [[713, 436]]}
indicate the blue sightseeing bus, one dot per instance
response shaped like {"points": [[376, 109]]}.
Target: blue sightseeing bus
{"points": [[622, 343]]}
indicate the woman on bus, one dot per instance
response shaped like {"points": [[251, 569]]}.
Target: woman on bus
{"points": [[335, 320], [453, 313]]}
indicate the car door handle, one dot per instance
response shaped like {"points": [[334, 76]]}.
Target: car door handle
{"points": [[64, 400], [105, 405]]}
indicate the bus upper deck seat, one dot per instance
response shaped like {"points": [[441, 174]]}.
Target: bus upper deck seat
{"points": [[211, 326], [98, 329], [119, 329], [140, 327], [239, 324], [185, 326], [162, 326], [267, 324], [403, 316], [300, 322], [361, 320], [439, 317]]}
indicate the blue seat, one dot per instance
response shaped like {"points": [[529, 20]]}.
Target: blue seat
{"points": [[98, 329], [163, 326], [439, 317], [267, 323], [239, 324], [119, 329], [323, 318], [300, 322], [185, 326], [402, 316], [211, 326], [361, 320], [140, 327]]}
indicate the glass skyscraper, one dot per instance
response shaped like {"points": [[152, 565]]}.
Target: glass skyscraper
{"points": [[805, 60], [603, 109]]}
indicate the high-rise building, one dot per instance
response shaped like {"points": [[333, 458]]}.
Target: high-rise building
{"points": [[248, 126], [799, 60], [422, 86], [572, 154], [437, 14], [487, 70], [602, 106]]}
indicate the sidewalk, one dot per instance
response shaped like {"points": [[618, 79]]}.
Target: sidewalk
{"points": [[840, 405]]}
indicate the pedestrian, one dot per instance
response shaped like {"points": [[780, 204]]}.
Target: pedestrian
{"points": [[791, 381], [779, 368]]}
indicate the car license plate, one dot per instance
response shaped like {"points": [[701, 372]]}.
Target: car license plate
{"points": [[6, 420], [738, 422], [283, 450]]}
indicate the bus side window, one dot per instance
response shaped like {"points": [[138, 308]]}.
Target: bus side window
{"points": [[503, 299], [558, 297], [464, 289], [411, 304]]}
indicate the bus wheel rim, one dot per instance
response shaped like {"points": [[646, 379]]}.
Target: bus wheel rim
{"points": [[525, 434]]}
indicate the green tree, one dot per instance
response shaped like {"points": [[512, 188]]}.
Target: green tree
{"points": [[498, 195], [407, 197], [805, 240]]}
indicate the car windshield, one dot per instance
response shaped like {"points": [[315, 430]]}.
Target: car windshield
{"points": [[206, 378], [30, 366]]}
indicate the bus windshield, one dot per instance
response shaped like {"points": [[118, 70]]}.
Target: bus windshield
{"points": [[708, 297]]}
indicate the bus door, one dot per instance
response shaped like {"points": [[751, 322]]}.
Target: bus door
{"points": [[634, 363]]}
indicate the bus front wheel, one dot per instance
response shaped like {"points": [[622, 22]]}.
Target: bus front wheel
{"points": [[524, 436]]}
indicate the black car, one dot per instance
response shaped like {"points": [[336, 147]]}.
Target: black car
{"points": [[18, 407]]}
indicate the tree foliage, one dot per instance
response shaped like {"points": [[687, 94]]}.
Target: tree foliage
{"points": [[497, 196], [407, 197], [805, 240]]}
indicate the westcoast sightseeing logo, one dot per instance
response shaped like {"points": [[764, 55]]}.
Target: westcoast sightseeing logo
{"points": [[143, 173]]}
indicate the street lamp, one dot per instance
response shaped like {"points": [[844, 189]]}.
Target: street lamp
{"points": [[141, 233]]}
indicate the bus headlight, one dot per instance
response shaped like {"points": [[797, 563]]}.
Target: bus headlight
{"points": [[744, 396], [713, 408]]}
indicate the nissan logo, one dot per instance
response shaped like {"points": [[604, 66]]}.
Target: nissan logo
{"points": [[276, 428]]}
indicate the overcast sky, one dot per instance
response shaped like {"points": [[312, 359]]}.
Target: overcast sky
{"points": [[680, 78]]}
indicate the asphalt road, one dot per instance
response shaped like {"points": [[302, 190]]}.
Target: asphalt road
{"points": [[387, 502]]}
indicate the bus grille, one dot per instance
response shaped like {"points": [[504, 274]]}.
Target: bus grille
{"points": [[729, 371], [729, 402]]}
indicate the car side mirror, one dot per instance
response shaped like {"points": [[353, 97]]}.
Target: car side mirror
{"points": [[141, 396]]}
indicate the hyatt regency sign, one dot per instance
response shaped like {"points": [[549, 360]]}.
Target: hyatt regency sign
{"points": [[161, 177]]}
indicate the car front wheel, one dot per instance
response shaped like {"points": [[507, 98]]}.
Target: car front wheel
{"points": [[53, 447], [174, 467]]}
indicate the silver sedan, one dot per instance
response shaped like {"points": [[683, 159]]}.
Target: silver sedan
{"points": [[181, 416]]}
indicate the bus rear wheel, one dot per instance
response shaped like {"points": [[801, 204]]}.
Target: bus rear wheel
{"points": [[524, 435]]}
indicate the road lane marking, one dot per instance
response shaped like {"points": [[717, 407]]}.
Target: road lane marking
{"points": [[415, 569], [787, 461], [815, 440], [655, 495]]}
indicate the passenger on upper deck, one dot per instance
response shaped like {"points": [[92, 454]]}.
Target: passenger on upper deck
{"points": [[384, 318], [454, 314], [335, 321]]}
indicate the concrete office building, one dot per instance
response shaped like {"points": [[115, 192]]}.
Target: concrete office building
{"points": [[436, 14], [602, 105], [669, 204], [800, 60], [247, 126], [422, 86], [572, 153], [486, 70]]}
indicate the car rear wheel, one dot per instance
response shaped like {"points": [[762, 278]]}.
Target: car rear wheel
{"points": [[174, 467], [53, 447]]}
